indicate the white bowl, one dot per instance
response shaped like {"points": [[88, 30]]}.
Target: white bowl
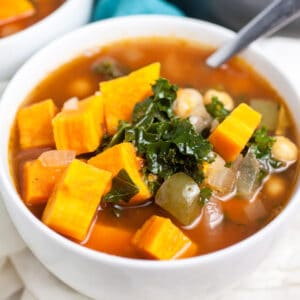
{"points": [[103, 276], [16, 48]]}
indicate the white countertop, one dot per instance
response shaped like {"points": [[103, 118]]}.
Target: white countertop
{"points": [[278, 277]]}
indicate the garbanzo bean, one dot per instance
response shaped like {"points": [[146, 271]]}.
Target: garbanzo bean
{"points": [[284, 149], [223, 97]]}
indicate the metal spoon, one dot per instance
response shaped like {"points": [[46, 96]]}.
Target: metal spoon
{"points": [[275, 16]]}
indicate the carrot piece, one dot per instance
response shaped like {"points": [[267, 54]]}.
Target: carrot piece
{"points": [[39, 181], [75, 199], [231, 136], [111, 239], [123, 156], [80, 129], [13, 10], [120, 95], [34, 124], [159, 238]]}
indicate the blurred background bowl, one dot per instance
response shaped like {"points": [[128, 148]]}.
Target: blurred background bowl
{"points": [[16, 48]]}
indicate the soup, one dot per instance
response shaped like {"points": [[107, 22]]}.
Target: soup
{"points": [[171, 159], [18, 15]]}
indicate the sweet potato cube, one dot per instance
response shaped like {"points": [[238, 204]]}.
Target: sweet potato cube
{"points": [[75, 199], [232, 135], [81, 129], [34, 123], [159, 238], [120, 95], [111, 239], [39, 181], [12, 10], [123, 156]]}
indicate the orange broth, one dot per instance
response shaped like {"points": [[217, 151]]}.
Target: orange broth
{"points": [[183, 63]]}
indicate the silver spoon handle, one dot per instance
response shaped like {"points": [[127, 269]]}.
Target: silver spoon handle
{"points": [[278, 14]]}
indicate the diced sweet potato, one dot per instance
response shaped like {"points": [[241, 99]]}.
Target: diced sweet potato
{"points": [[123, 156], [120, 95], [231, 136], [12, 10], [39, 181], [75, 199], [111, 239], [159, 238], [81, 129], [34, 124]]}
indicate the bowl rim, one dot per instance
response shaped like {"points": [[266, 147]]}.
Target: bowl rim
{"points": [[7, 185], [65, 5]]}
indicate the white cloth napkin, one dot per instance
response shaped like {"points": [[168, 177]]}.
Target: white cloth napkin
{"points": [[23, 277]]}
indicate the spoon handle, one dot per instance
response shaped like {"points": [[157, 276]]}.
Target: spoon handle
{"points": [[278, 14]]}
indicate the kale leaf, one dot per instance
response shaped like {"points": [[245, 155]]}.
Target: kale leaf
{"points": [[123, 188], [216, 109], [205, 195]]}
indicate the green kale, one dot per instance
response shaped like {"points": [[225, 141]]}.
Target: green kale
{"points": [[123, 188], [217, 110], [261, 145], [205, 195], [109, 68]]}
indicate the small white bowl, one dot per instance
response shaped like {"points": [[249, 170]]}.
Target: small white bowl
{"points": [[16, 48], [104, 276]]}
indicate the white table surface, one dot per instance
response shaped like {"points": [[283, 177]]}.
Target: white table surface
{"points": [[278, 277]]}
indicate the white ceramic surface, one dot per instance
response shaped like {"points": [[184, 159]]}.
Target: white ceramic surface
{"points": [[102, 276], [16, 48]]}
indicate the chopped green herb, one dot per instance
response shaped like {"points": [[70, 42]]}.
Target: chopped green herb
{"points": [[205, 195], [109, 68], [123, 188], [217, 110]]}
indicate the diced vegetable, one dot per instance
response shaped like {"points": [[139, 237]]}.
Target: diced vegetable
{"points": [[212, 214], [34, 124], [111, 239], [275, 187], [39, 181], [71, 104], [179, 196], [284, 149], [244, 212], [219, 177], [123, 156], [80, 87], [80, 130], [283, 121], [75, 199], [223, 97], [248, 179], [14, 10], [120, 95], [159, 238], [57, 158], [231, 136], [269, 112]]}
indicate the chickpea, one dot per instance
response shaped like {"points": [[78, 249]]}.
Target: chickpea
{"points": [[284, 149], [275, 187], [80, 87], [223, 97], [186, 102]]}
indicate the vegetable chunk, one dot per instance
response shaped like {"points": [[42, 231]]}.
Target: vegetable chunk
{"points": [[34, 123], [121, 95], [231, 136], [74, 202], [13, 10], [80, 129], [123, 156], [159, 238], [39, 181]]}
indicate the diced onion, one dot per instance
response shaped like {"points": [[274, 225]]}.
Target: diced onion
{"points": [[212, 213], [57, 158], [71, 104]]}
